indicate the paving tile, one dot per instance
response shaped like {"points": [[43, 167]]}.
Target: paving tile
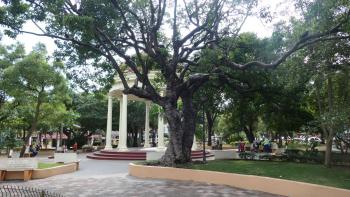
{"points": [[110, 178]]}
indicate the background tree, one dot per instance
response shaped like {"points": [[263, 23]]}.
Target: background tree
{"points": [[35, 80], [331, 91], [8, 55], [329, 65], [107, 30], [212, 106], [8, 140]]}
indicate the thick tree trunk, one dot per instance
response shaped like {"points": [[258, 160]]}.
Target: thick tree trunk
{"points": [[210, 124], [328, 154], [181, 128], [327, 133], [249, 134], [24, 135], [330, 136]]}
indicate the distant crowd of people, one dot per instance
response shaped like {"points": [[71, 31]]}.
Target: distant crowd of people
{"points": [[34, 150], [266, 143]]}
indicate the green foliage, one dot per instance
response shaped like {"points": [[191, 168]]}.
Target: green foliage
{"points": [[8, 139], [295, 145], [257, 98], [8, 55], [247, 155], [93, 111], [99, 34], [35, 91], [307, 156]]}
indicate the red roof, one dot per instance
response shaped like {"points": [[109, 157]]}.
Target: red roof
{"points": [[54, 136]]}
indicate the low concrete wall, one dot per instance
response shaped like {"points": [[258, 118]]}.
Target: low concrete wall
{"points": [[154, 155], [225, 154], [48, 172], [265, 184], [43, 173], [14, 175]]}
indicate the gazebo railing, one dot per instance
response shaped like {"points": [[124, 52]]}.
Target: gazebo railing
{"points": [[19, 191]]}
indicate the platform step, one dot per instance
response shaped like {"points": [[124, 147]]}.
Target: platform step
{"points": [[135, 155], [118, 155], [123, 152], [114, 158]]}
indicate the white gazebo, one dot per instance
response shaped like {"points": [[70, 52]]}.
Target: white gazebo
{"points": [[117, 92]]}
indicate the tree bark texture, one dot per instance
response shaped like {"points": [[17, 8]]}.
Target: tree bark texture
{"points": [[329, 140], [181, 127], [248, 130], [210, 124], [328, 153]]}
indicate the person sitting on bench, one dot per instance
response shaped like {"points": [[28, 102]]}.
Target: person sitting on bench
{"points": [[32, 151]]}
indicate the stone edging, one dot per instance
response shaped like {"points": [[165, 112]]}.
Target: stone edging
{"points": [[48, 172], [250, 182], [44, 173]]}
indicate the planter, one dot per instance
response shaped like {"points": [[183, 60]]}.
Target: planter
{"points": [[44, 173], [250, 182]]}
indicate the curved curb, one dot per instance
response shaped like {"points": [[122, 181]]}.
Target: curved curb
{"points": [[48, 172], [44, 173], [250, 182]]}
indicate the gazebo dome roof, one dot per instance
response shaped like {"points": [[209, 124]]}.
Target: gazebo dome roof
{"points": [[118, 87]]}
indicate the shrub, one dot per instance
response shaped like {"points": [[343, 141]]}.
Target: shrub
{"points": [[302, 156], [247, 155], [8, 140], [87, 148]]}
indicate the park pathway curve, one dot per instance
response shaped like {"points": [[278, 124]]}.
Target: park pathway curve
{"points": [[110, 178]]}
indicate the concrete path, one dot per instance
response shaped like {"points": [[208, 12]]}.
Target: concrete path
{"points": [[110, 178]]}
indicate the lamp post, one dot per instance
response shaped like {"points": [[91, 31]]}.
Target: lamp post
{"points": [[204, 158]]}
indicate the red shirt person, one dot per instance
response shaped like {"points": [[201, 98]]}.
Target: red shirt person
{"points": [[75, 147]]}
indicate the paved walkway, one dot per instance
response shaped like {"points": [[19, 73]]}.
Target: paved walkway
{"points": [[110, 178]]}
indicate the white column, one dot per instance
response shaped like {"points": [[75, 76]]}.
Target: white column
{"points": [[146, 145], [49, 144], [57, 141], [123, 124], [120, 118], [160, 145], [194, 145], [109, 125]]}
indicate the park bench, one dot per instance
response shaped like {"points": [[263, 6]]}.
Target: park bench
{"points": [[25, 165], [67, 158]]}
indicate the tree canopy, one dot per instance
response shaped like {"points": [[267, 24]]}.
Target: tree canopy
{"points": [[173, 34]]}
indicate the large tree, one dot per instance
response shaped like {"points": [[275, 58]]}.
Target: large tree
{"points": [[112, 30], [330, 91], [8, 55], [328, 64], [37, 82]]}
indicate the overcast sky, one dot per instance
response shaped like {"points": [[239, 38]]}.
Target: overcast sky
{"points": [[281, 10]]}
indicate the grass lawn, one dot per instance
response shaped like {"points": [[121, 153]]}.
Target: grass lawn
{"points": [[311, 173], [48, 165]]}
